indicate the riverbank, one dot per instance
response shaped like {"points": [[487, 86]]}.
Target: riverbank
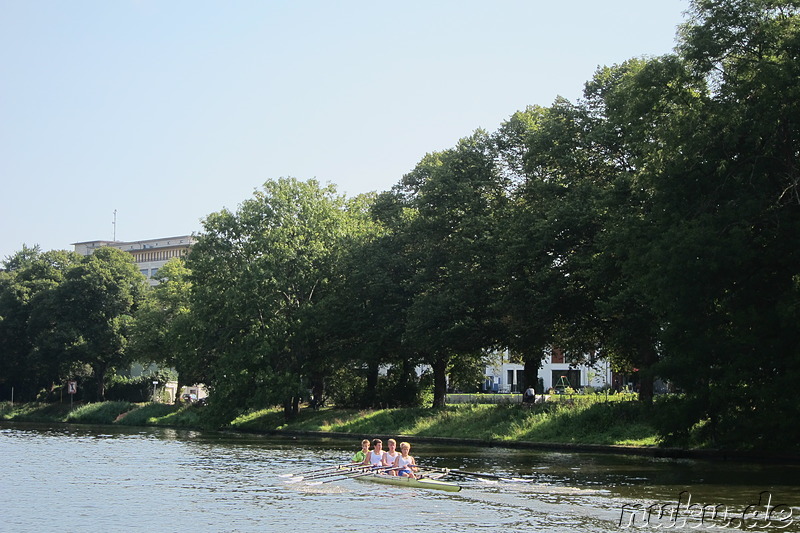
{"points": [[616, 427], [618, 423]]}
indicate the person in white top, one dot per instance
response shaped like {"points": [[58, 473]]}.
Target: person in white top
{"points": [[404, 463], [376, 458], [391, 454]]}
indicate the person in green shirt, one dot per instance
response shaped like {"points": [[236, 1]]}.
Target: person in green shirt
{"points": [[361, 454]]}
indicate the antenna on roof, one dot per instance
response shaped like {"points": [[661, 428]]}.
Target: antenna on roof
{"points": [[115, 225]]}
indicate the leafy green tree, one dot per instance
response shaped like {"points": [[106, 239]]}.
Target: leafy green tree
{"points": [[364, 318], [87, 318], [452, 198], [723, 250], [563, 167], [257, 276], [28, 276], [628, 108], [532, 284], [163, 331]]}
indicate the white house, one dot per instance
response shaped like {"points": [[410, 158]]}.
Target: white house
{"points": [[554, 372]]}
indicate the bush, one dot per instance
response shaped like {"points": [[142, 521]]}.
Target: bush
{"points": [[674, 418], [136, 390], [346, 389], [397, 390]]}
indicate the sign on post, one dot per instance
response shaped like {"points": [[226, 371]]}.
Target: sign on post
{"points": [[72, 388]]}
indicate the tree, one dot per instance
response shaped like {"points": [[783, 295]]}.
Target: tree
{"points": [[629, 108], [163, 330], [257, 276], [88, 317], [564, 163], [28, 276], [452, 198], [533, 286], [364, 318], [723, 250]]}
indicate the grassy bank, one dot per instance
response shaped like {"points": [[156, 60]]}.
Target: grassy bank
{"points": [[120, 413], [619, 424], [616, 423]]}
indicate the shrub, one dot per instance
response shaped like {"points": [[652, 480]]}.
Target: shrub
{"points": [[134, 390]]}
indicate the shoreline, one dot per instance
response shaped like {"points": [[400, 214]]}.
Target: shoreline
{"points": [[647, 451], [452, 429]]}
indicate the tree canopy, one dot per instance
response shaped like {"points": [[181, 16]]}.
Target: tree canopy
{"points": [[654, 222]]}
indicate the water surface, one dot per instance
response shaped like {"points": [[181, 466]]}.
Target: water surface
{"points": [[72, 478]]}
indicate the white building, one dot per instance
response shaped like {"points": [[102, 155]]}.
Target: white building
{"points": [[149, 255], [554, 372]]}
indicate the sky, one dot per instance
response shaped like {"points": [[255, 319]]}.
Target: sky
{"points": [[136, 119]]}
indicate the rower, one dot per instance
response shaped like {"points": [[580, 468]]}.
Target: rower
{"points": [[376, 458], [404, 463], [391, 454], [361, 454]]}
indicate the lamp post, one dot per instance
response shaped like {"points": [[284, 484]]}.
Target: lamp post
{"points": [[154, 390]]}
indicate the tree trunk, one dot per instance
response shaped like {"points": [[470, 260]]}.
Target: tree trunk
{"points": [[372, 384], [407, 388], [177, 399], [288, 412], [530, 374], [317, 390], [439, 381], [100, 376], [646, 378]]}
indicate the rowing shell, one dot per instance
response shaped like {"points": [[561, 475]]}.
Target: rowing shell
{"points": [[401, 481]]}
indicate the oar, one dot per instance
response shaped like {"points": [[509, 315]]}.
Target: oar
{"points": [[469, 474], [307, 472], [326, 473], [361, 474], [435, 475]]}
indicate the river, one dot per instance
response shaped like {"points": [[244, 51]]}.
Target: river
{"points": [[98, 478]]}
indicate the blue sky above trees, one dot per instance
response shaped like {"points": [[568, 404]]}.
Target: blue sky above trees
{"points": [[169, 111]]}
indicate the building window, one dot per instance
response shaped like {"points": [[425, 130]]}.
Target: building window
{"points": [[557, 356], [144, 272], [153, 272]]}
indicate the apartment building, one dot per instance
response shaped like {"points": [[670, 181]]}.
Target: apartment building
{"points": [[149, 255]]}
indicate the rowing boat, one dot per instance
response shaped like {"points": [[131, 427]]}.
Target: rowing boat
{"points": [[401, 481]]}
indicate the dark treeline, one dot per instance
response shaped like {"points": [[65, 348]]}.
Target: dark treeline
{"points": [[655, 223]]}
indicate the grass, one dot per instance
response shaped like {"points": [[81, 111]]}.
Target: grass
{"points": [[35, 412], [579, 422], [622, 423], [98, 413], [123, 413]]}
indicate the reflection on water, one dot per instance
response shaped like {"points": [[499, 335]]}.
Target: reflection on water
{"points": [[143, 479]]}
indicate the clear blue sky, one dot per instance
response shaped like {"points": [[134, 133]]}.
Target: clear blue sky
{"points": [[167, 111]]}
